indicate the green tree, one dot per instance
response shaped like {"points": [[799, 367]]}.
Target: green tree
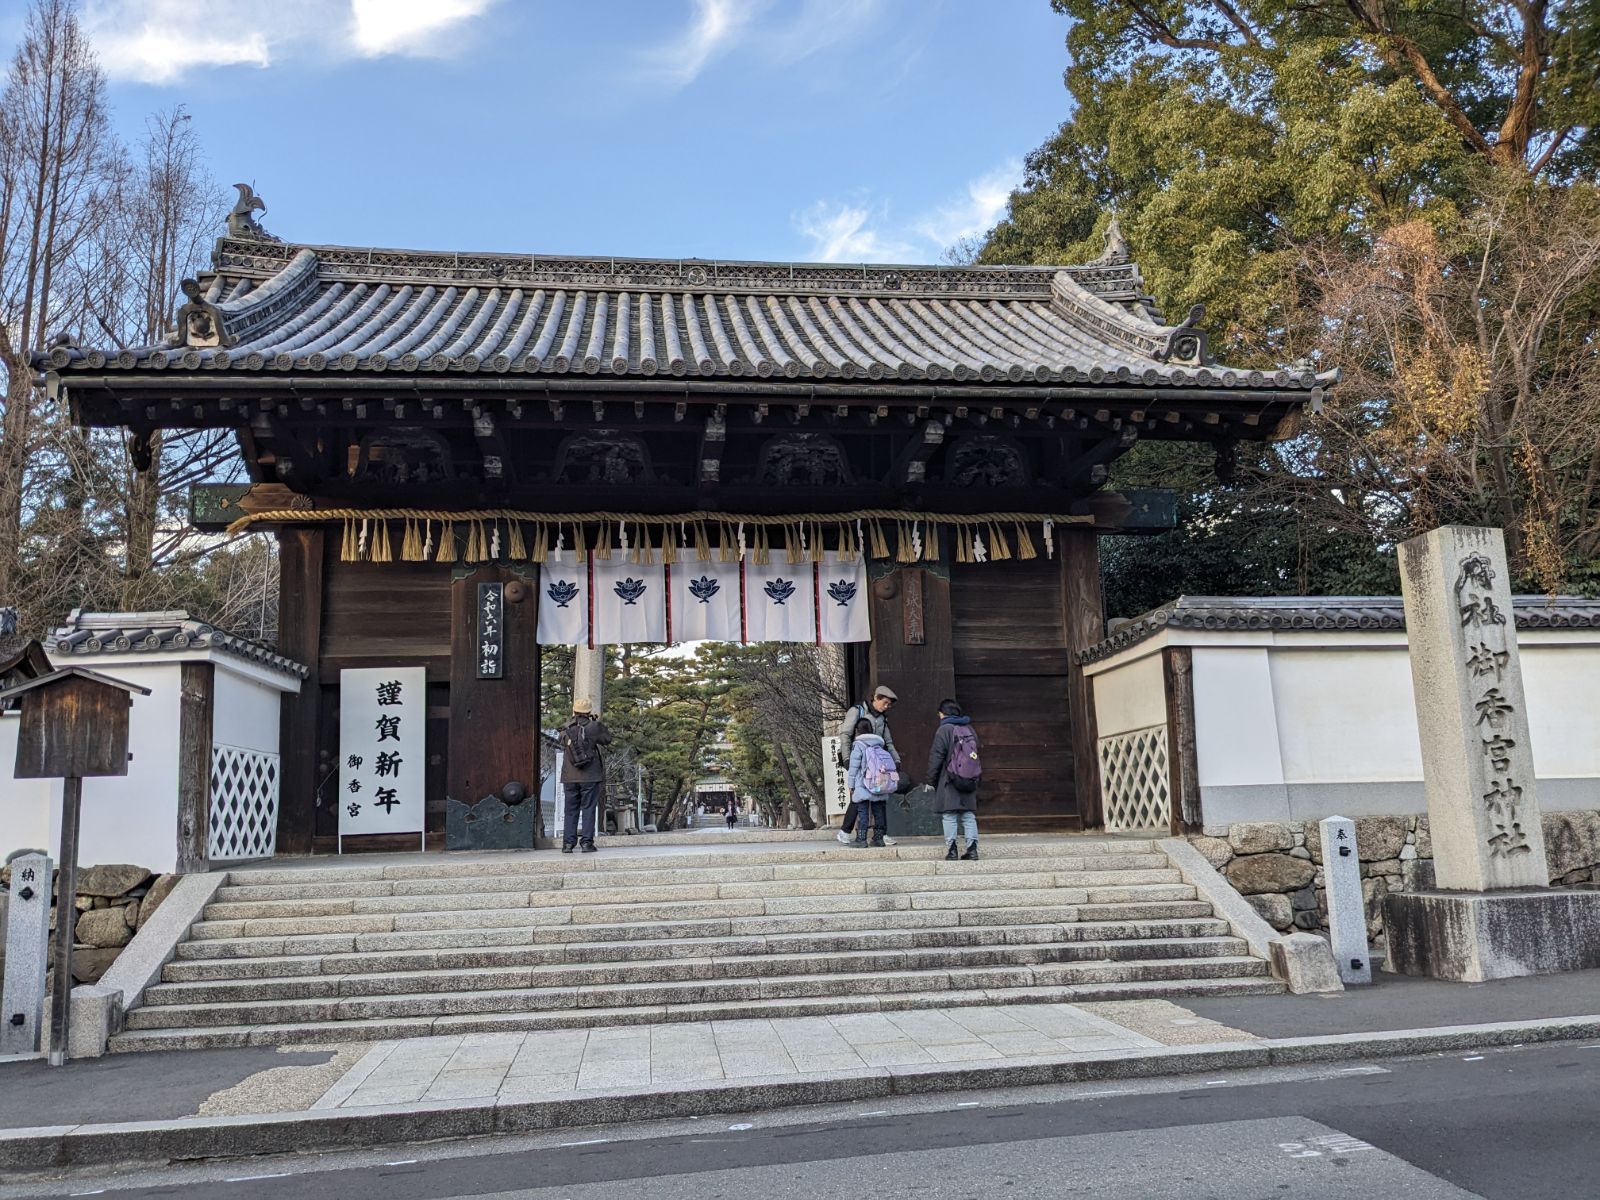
{"points": [[1251, 152]]}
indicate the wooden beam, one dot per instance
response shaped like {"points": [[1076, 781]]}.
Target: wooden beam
{"points": [[1084, 621], [196, 699], [713, 441], [300, 584], [911, 465], [1090, 466], [497, 463]]}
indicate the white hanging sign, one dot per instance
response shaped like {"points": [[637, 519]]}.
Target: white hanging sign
{"points": [[780, 603], [704, 601], [842, 600], [630, 602], [382, 750], [564, 601]]}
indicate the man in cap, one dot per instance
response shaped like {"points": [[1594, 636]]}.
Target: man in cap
{"points": [[875, 711], [583, 773]]}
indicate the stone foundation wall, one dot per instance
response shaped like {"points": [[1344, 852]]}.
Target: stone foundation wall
{"points": [[1277, 866], [112, 903]]}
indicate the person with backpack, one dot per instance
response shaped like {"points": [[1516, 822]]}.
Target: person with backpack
{"points": [[876, 713], [873, 778], [954, 770], [583, 773]]}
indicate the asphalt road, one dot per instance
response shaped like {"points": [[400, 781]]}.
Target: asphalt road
{"points": [[1511, 1125]]}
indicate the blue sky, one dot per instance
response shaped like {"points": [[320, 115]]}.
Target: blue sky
{"points": [[842, 130]]}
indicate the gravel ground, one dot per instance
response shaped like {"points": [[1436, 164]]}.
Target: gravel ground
{"points": [[284, 1089]]}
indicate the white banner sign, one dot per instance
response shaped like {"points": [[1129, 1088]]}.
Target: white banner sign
{"points": [[842, 600], [835, 776], [382, 750], [704, 601], [630, 602], [564, 601], [780, 603]]}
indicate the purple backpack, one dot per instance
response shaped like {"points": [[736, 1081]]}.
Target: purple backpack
{"points": [[963, 767]]}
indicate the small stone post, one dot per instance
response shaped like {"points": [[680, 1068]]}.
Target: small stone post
{"points": [[1477, 763], [27, 954], [1347, 910]]}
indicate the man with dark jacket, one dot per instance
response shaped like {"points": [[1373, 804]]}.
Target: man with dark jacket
{"points": [[583, 773], [959, 807]]}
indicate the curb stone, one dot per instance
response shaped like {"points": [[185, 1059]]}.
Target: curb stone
{"points": [[62, 1146]]}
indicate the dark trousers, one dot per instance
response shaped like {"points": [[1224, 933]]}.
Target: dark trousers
{"points": [[849, 822], [872, 813], [583, 799]]}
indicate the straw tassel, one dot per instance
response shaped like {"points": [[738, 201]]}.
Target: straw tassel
{"points": [[1025, 546], [819, 552], [380, 542], [539, 552], [702, 543], [580, 544], [930, 544], [793, 550], [347, 543], [879, 543], [999, 548], [447, 542], [518, 547], [963, 545], [602, 543], [763, 556]]}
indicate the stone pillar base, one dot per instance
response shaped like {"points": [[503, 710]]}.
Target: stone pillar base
{"points": [[1470, 937]]}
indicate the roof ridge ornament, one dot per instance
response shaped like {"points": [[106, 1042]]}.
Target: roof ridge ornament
{"points": [[1116, 249], [200, 321], [1186, 343], [241, 218]]}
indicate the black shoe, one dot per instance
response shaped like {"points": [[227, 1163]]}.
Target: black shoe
{"points": [[972, 849], [568, 847], [876, 841], [950, 854], [589, 847]]}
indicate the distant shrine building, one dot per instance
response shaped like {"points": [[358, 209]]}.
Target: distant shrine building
{"points": [[463, 454]]}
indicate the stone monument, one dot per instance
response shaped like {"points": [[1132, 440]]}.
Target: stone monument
{"points": [[27, 953], [1492, 914], [1347, 908]]}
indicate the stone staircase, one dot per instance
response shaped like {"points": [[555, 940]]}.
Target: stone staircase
{"points": [[351, 953]]}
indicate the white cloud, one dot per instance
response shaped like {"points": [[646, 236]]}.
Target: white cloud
{"points": [[976, 212], [860, 231], [843, 232], [160, 41], [407, 26], [717, 26]]}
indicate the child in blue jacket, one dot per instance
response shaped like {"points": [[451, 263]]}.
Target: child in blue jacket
{"points": [[873, 805]]}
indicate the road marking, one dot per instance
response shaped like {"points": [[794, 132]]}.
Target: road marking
{"points": [[250, 1178], [1214, 1083], [1119, 1092], [877, 1112], [969, 1104], [590, 1142], [1363, 1071], [743, 1125], [96, 1192], [1473, 1058], [404, 1162]]}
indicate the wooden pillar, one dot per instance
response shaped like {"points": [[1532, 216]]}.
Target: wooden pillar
{"points": [[1084, 621], [913, 654], [301, 576], [196, 702], [1183, 761], [494, 723]]}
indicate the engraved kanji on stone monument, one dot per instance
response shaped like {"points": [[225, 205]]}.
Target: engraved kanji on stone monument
{"points": [[1471, 712], [27, 935]]}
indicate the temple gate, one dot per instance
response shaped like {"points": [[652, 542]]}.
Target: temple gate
{"points": [[418, 424]]}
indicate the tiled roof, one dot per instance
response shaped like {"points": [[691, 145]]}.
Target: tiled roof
{"points": [[295, 309], [158, 632], [1311, 613]]}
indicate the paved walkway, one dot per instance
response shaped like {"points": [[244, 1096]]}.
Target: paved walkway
{"points": [[516, 1066]]}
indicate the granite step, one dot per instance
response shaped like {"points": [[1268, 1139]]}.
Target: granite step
{"points": [[227, 909], [533, 933], [244, 886], [725, 990], [374, 1029], [447, 955], [512, 970], [931, 850]]}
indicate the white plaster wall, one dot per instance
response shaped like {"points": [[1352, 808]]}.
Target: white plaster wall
{"points": [[1562, 688], [1236, 725], [1345, 714], [1130, 695], [25, 804], [245, 712], [134, 818]]}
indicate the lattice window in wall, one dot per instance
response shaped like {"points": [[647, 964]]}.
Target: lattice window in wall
{"points": [[244, 804], [1134, 779]]}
